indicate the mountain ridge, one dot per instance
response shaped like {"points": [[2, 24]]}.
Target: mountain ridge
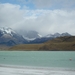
{"points": [[10, 37], [49, 37]]}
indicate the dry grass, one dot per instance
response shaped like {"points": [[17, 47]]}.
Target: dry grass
{"points": [[58, 44], [4, 48], [27, 47]]}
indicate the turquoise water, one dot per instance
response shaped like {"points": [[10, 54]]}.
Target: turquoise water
{"points": [[39, 58]]}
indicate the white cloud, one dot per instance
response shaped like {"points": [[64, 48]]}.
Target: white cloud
{"points": [[10, 14], [51, 3], [43, 21], [57, 21], [54, 3]]}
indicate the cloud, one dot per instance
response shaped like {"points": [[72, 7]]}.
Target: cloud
{"points": [[10, 14], [56, 21], [53, 4], [41, 20]]}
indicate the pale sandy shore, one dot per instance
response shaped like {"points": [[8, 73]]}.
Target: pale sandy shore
{"points": [[22, 70]]}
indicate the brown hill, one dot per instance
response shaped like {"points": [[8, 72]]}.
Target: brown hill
{"points": [[26, 47], [4, 47], [66, 43], [61, 43]]}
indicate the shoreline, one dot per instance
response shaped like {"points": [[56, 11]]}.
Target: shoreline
{"points": [[26, 70], [37, 67]]}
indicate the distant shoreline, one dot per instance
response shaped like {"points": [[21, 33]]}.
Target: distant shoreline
{"points": [[19, 70]]}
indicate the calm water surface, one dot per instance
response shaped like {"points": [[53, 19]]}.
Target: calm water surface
{"points": [[38, 58], [54, 59]]}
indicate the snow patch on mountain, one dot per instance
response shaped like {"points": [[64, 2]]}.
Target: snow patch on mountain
{"points": [[30, 35], [29, 39], [57, 35], [7, 30], [39, 35], [9, 37]]}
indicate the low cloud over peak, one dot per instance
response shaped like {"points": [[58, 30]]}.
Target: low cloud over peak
{"points": [[42, 20]]}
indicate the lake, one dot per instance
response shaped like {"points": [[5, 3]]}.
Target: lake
{"points": [[37, 63]]}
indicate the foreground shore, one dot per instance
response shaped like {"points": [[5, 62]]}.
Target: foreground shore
{"points": [[21, 70]]}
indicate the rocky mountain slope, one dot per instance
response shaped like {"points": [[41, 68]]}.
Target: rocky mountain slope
{"points": [[49, 37], [30, 35], [9, 37]]}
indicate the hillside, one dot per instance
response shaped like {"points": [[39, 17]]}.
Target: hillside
{"points": [[66, 43], [4, 47], [27, 47], [60, 43]]}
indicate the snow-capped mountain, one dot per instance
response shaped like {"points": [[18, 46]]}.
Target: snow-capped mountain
{"points": [[9, 37], [49, 37], [6, 30], [30, 35], [58, 35], [66, 34], [53, 35]]}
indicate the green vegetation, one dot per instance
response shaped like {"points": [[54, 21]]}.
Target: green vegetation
{"points": [[66, 43]]}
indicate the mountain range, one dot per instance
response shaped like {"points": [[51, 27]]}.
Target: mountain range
{"points": [[49, 37], [10, 37]]}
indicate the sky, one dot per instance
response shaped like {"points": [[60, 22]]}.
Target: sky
{"points": [[43, 16]]}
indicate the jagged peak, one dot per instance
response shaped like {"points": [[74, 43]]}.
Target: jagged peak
{"points": [[58, 34], [7, 30]]}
